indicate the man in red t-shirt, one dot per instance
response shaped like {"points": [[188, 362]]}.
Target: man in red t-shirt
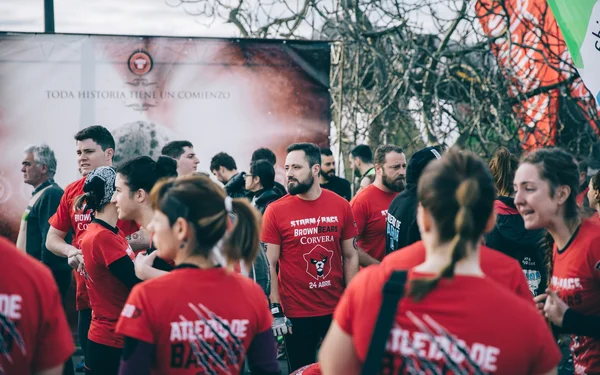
{"points": [[310, 232], [95, 148], [34, 334], [371, 205]]}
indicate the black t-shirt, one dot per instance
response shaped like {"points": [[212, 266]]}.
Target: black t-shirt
{"points": [[340, 186], [401, 225]]}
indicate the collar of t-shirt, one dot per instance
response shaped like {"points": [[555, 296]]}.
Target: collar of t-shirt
{"points": [[44, 185], [560, 251], [368, 172], [106, 225]]}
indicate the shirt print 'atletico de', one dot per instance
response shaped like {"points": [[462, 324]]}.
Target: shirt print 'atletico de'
{"points": [[576, 278], [310, 233]]}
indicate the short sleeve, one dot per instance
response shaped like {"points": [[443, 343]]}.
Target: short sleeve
{"points": [[135, 321], [270, 232], [128, 227], [547, 355], [350, 226], [61, 220], [359, 211], [109, 247], [54, 344]]}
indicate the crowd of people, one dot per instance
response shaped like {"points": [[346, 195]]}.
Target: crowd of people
{"points": [[439, 264]]}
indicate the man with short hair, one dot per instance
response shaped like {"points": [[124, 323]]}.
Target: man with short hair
{"points": [[401, 223], [310, 234], [224, 168], [371, 205], [361, 161], [328, 180], [95, 148], [264, 153], [183, 153], [259, 184], [39, 167]]}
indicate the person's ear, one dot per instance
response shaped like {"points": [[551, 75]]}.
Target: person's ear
{"points": [[562, 193]]}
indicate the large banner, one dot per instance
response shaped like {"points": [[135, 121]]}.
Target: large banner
{"points": [[530, 47], [222, 95]]}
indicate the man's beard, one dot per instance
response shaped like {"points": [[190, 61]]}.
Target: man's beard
{"points": [[328, 175], [300, 187], [397, 185], [357, 173]]}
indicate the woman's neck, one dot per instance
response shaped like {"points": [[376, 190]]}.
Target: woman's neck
{"points": [[108, 217], [439, 256], [196, 260], [562, 231]]}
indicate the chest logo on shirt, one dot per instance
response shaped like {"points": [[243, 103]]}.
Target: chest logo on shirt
{"points": [[318, 262]]}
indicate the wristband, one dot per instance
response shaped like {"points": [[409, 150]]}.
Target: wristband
{"points": [[276, 310]]}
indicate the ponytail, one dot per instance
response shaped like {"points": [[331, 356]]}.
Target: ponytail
{"points": [[503, 167], [243, 240], [467, 195], [81, 202]]}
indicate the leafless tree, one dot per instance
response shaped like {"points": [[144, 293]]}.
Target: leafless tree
{"points": [[416, 72]]}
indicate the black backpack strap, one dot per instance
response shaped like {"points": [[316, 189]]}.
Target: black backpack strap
{"points": [[393, 291]]}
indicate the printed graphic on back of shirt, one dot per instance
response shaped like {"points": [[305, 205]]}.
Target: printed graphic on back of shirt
{"points": [[433, 350], [210, 342], [10, 337]]}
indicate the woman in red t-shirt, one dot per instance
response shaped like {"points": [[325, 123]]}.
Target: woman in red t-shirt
{"points": [[200, 317], [546, 186], [109, 271], [454, 319]]}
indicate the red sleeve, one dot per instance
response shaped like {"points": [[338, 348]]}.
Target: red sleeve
{"points": [[345, 310], [547, 354], [359, 213], [135, 321], [270, 232], [54, 344], [61, 220], [350, 225], [109, 247], [128, 227]]}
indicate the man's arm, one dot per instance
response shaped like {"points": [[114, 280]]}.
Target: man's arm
{"points": [[365, 259], [273, 257], [350, 255], [55, 242], [139, 240]]}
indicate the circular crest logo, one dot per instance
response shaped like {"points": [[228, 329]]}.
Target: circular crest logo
{"points": [[140, 63]]}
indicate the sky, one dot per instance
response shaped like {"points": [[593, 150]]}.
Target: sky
{"points": [[134, 17]]}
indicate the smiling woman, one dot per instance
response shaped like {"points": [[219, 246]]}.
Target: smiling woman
{"points": [[546, 185]]}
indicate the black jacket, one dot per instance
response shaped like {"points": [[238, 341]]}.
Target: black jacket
{"points": [[235, 187], [263, 198], [401, 226], [340, 186], [510, 237]]}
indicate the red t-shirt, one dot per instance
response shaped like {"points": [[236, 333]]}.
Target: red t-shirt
{"points": [[370, 209], [310, 233], [66, 219], [500, 267], [101, 246], [314, 369], [184, 310], [576, 278], [500, 333], [40, 338]]}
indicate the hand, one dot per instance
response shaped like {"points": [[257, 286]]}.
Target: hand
{"points": [[281, 325], [555, 308], [75, 259], [142, 263], [539, 302]]}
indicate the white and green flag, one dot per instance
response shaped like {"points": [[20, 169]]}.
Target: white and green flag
{"points": [[579, 21]]}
